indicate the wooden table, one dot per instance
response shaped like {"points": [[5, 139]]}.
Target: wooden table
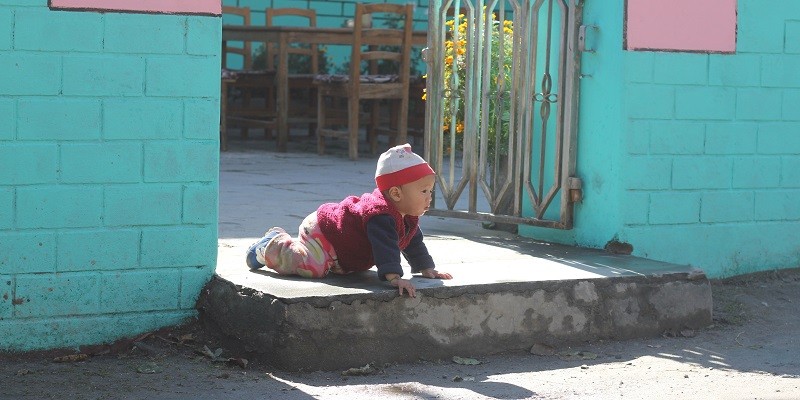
{"points": [[285, 35]]}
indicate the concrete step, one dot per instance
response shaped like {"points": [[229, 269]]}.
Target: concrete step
{"points": [[508, 293]]}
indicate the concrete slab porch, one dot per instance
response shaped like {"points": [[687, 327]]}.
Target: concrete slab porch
{"points": [[508, 292]]}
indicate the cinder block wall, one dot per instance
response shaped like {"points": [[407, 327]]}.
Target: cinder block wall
{"points": [[108, 172], [693, 158]]}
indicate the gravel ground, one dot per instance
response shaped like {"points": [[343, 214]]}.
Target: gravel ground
{"points": [[751, 352]]}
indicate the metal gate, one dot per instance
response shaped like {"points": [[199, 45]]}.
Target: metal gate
{"points": [[502, 103]]}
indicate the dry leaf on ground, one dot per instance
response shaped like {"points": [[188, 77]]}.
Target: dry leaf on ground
{"points": [[360, 371], [71, 358], [465, 361]]}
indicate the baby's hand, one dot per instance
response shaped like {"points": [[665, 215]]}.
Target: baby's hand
{"points": [[408, 286], [403, 284], [434, 274]]}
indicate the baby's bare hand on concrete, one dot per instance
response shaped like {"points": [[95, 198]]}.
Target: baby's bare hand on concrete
{"points": [[434, 274], [403, 284]]}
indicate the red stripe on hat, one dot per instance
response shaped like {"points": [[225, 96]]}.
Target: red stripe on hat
{"points": [[403, 176]]}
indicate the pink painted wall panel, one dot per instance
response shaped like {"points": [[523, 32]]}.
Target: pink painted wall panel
{"points": [[682, 25], [208, 7]]}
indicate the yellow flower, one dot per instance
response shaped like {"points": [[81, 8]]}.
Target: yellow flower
{"points": [[459, 127], [448, 60]]}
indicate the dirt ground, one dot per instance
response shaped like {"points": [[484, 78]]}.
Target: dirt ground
{"points": [[751, 352]]}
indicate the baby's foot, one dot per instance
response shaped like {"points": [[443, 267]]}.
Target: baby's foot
{"points": [[255, 254]]}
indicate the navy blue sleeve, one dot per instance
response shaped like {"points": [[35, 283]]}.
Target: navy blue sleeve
{"points": [[382, 235], [417, 254]]}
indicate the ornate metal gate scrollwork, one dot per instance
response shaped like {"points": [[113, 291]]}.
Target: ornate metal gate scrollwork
{"points": [[502, 103]]}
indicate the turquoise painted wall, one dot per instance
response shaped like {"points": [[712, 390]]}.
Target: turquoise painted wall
{"points": [[330, 13], [108, 172], [693, 158]]}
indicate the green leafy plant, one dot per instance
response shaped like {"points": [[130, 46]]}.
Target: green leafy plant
{"points": [[455, 74]]}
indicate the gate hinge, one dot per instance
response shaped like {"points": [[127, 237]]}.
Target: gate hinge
{"points": [[574, 185]]}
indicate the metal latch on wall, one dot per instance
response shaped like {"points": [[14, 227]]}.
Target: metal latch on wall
{"points": [[575, 189], [583, 38]]}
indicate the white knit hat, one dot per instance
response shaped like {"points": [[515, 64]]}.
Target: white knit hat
{"points": [[398, 166]]}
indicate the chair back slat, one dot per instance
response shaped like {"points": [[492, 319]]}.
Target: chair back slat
{"points": [[381, 36], [381, 55], [384, 8]]}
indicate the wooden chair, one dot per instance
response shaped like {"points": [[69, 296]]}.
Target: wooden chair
{"points": [[250, 89], [382, 44], [301, 83], [416, 116]]}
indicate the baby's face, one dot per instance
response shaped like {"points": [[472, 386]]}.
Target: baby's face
{"points": [[415, 198]]}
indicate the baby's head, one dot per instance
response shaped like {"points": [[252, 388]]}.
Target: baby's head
{"points": [[405, 179]]}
